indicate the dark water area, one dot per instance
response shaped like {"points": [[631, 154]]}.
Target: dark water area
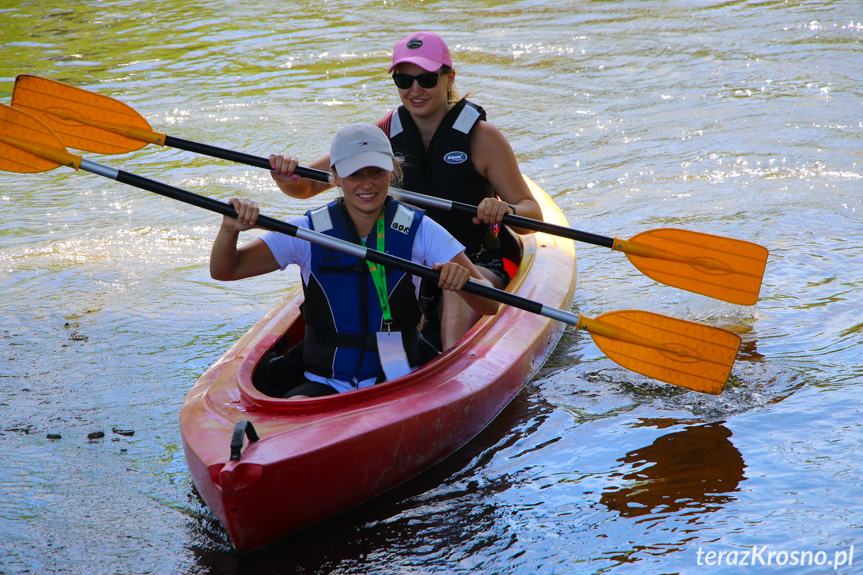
{"points": [[741, 119]]}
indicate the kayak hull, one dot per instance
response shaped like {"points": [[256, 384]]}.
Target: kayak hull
{"points": [[318, 457]]}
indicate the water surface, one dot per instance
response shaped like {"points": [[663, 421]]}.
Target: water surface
{"points": [[740, 119]]}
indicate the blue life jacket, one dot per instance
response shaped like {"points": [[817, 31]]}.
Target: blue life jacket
{"points": [[446, 171], [342, 310]]}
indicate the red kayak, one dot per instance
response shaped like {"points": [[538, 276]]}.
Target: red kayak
{"points": [[267, 467]]}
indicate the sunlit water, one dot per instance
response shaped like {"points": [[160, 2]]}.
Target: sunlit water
{"points": [[741, 119]]}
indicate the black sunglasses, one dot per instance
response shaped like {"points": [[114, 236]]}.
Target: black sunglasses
{"points": [[426, 80]]}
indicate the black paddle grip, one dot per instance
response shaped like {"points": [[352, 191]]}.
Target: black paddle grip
{"points": [[248, 159], [540, 226]]}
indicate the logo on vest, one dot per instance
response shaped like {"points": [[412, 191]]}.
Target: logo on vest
{"points": [[403, 219], [330, 256], [455, 158]]}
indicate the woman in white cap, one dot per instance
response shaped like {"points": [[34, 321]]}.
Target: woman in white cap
{"points": [[356, 312], [447, 150]]}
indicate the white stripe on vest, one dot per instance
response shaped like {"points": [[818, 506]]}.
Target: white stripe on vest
{"points": [[396, 127], [321, 221], [466, 119]]}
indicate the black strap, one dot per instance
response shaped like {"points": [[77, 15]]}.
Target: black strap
{"points": [[332, 338], [354, 269], [242, 428], [362, 341]]}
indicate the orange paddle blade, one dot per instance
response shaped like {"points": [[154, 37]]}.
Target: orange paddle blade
{"points": [[84, 120], [27, 145], [715, 266], [676, 351]]}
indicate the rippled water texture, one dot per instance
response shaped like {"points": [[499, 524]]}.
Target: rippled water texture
{"points": [[740, 119]]}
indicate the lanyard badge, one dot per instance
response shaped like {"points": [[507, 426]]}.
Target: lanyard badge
{"points": [[391, 350]]}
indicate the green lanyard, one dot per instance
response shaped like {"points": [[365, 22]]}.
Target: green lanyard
{"points": [[379, 274]]}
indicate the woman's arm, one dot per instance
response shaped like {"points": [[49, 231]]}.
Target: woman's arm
{"points": [[495, 161], [293, 185], [455, 273], [227, 262]]}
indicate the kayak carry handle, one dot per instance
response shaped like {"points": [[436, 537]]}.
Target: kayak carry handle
{"points": [[242, 428]]}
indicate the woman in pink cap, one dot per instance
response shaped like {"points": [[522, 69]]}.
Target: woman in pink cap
{"points": [[447, 150]]}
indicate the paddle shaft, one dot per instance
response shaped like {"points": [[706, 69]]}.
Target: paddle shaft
{"points": [[412, 197], [327, 241], [248, 159], [509, 219]]}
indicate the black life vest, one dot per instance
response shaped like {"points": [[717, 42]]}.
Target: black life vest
{"points": [[447, 170]]}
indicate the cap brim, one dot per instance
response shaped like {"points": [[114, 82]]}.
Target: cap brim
{"points": [[356, 163], [425, 63]]}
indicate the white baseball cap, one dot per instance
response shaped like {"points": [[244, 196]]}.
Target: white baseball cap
{"points": [[359, 146]]}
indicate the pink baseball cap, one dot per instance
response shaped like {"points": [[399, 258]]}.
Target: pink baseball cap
{"points": [[425, 49]]}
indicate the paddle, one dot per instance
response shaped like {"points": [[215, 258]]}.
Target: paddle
{"points": [[723, 268], [676, 351], [715, 266]]}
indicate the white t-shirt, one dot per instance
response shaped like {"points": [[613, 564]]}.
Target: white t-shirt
{"points": [[432, 245]]}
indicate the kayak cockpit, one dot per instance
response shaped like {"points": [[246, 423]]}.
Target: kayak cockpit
{"points": [[285, 336]]}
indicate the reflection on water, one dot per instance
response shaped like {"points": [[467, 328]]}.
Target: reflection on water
{"points": [[694, 470]]}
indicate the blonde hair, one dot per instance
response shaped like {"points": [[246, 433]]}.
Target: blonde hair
{"points": [[452, 97], [398, 173]]}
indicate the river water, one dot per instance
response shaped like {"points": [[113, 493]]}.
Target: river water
{"points": [[736, 118]]}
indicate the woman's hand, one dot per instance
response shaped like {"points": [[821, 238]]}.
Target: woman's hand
{"points": [[283, 169], [491, 211], [452, 276], [292, 185], [227, 262], [247, 215]]}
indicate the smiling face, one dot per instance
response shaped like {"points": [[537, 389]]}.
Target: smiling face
{"points": [[365, 191], [425, 102]]}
